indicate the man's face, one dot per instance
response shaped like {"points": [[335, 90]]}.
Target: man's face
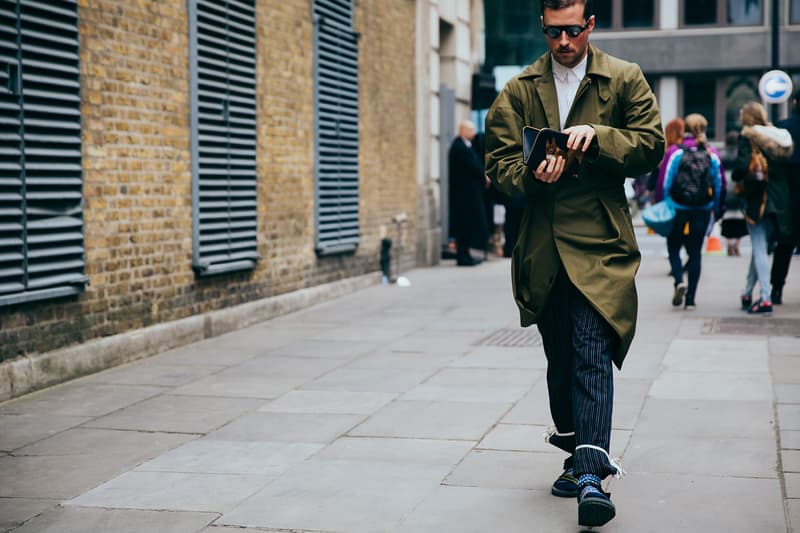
{"points": [[468, 131], [569, 51]]}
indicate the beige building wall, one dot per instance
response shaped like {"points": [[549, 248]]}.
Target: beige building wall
{"points": [[449, 51]]}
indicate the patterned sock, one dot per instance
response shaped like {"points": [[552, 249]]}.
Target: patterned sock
{"points": [[589, 484]]}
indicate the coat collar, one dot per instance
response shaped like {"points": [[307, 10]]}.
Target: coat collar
{"points": [[597, 65], [541, 73]]}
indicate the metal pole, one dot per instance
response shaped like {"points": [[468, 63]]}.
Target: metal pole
{"points": [[775, 34], [775, 50]]}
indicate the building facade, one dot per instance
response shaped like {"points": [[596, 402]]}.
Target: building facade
{"points": [[703, 56], [166, 159]]}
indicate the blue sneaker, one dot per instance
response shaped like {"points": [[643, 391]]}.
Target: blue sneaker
{"points": [[594, 506]]}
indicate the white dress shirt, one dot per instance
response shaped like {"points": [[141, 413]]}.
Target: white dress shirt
{"points": [[567, 81]]}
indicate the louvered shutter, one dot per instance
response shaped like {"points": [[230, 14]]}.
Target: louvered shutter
{"points": [[223, 87], [336, 126], [41, 224]]}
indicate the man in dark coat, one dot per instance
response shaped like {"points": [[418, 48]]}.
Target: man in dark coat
{"points": [[782, 255], [467, 184], [576, 257]]}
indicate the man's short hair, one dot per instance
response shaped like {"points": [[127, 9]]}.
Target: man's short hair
{"points": [[560, 4]]}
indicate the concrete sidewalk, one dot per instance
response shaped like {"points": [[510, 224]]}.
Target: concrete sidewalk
{"points": [[419, 410]]}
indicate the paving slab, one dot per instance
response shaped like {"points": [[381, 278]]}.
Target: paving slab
{"points": [[370, 380], [706, 418], [352, 496], [789, 416], [173, 491], [180, 414], [790, 460], [77, 520], [792, 485], [482, 510], [66, 476], [503, 357], [476, 385], [15, 511], [702, 455], [793, 508], [695, 502], [148, 373], [212, 456], [20, 430], [397, 451], [432, 420], [506, 470], [331, 402], [527, 438], [79, 398], [787, 392], [712, 386], [790, 440], [785, 369], [346, 348], [287, 427], [404, 359], [717, 355], [104, 443]]}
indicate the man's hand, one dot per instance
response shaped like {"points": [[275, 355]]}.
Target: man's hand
{"points": [[549, 170], [580, 137]]}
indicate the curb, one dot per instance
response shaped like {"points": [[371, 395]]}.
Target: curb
{"points": [[29, 373]]}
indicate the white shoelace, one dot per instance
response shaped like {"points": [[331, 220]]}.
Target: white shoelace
{"points": [[552, 430], [615, 462]]}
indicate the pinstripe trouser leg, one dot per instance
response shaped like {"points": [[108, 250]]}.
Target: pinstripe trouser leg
{"points": [[578, 344]]}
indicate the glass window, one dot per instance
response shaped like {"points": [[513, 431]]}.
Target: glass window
{"points": [[518, 17], [637, 14], [738, 92], [603, 13], [699, 12], [794, 14], [744, 12], [699, 97]]}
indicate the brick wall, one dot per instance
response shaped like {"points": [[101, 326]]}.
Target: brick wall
{"points": [[137, 167]]}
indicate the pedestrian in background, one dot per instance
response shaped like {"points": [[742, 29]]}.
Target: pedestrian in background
{"points": [[673, 135], [468, 183], [576, 257], [733, 225], [788, 237], [764, 190], [694, 184]]}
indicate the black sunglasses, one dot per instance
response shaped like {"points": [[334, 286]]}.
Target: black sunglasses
{"points": [[554, 32]]}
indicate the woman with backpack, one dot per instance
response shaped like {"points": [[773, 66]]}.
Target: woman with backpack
{"points": [[760, 146], [693, 183]]}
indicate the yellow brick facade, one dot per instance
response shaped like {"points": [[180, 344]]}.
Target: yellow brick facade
{"points": [[137, 166]]}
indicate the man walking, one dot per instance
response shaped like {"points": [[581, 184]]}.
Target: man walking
{"points": [[576, 257]]}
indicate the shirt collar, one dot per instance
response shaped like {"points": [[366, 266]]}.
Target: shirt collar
{"points": [[561, 72]]}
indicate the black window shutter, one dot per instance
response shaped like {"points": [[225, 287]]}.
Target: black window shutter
{"points": [[41, 185], [224, 179], [336, 126]]}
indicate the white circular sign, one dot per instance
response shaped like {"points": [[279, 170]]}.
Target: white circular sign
{"points": [[775, 87]]}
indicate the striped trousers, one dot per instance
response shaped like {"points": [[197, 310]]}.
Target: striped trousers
{"points": [[578, 344]]}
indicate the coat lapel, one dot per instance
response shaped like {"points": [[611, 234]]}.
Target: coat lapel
{"points": [[546, 89]]}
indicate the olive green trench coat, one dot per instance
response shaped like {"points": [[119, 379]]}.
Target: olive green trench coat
{"points": [[581, 221]]}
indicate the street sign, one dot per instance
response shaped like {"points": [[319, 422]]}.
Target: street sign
{"points": [[775, 87]]}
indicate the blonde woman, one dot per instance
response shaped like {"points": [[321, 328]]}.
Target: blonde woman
{"points": [[761, 196], [693, 210]]}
